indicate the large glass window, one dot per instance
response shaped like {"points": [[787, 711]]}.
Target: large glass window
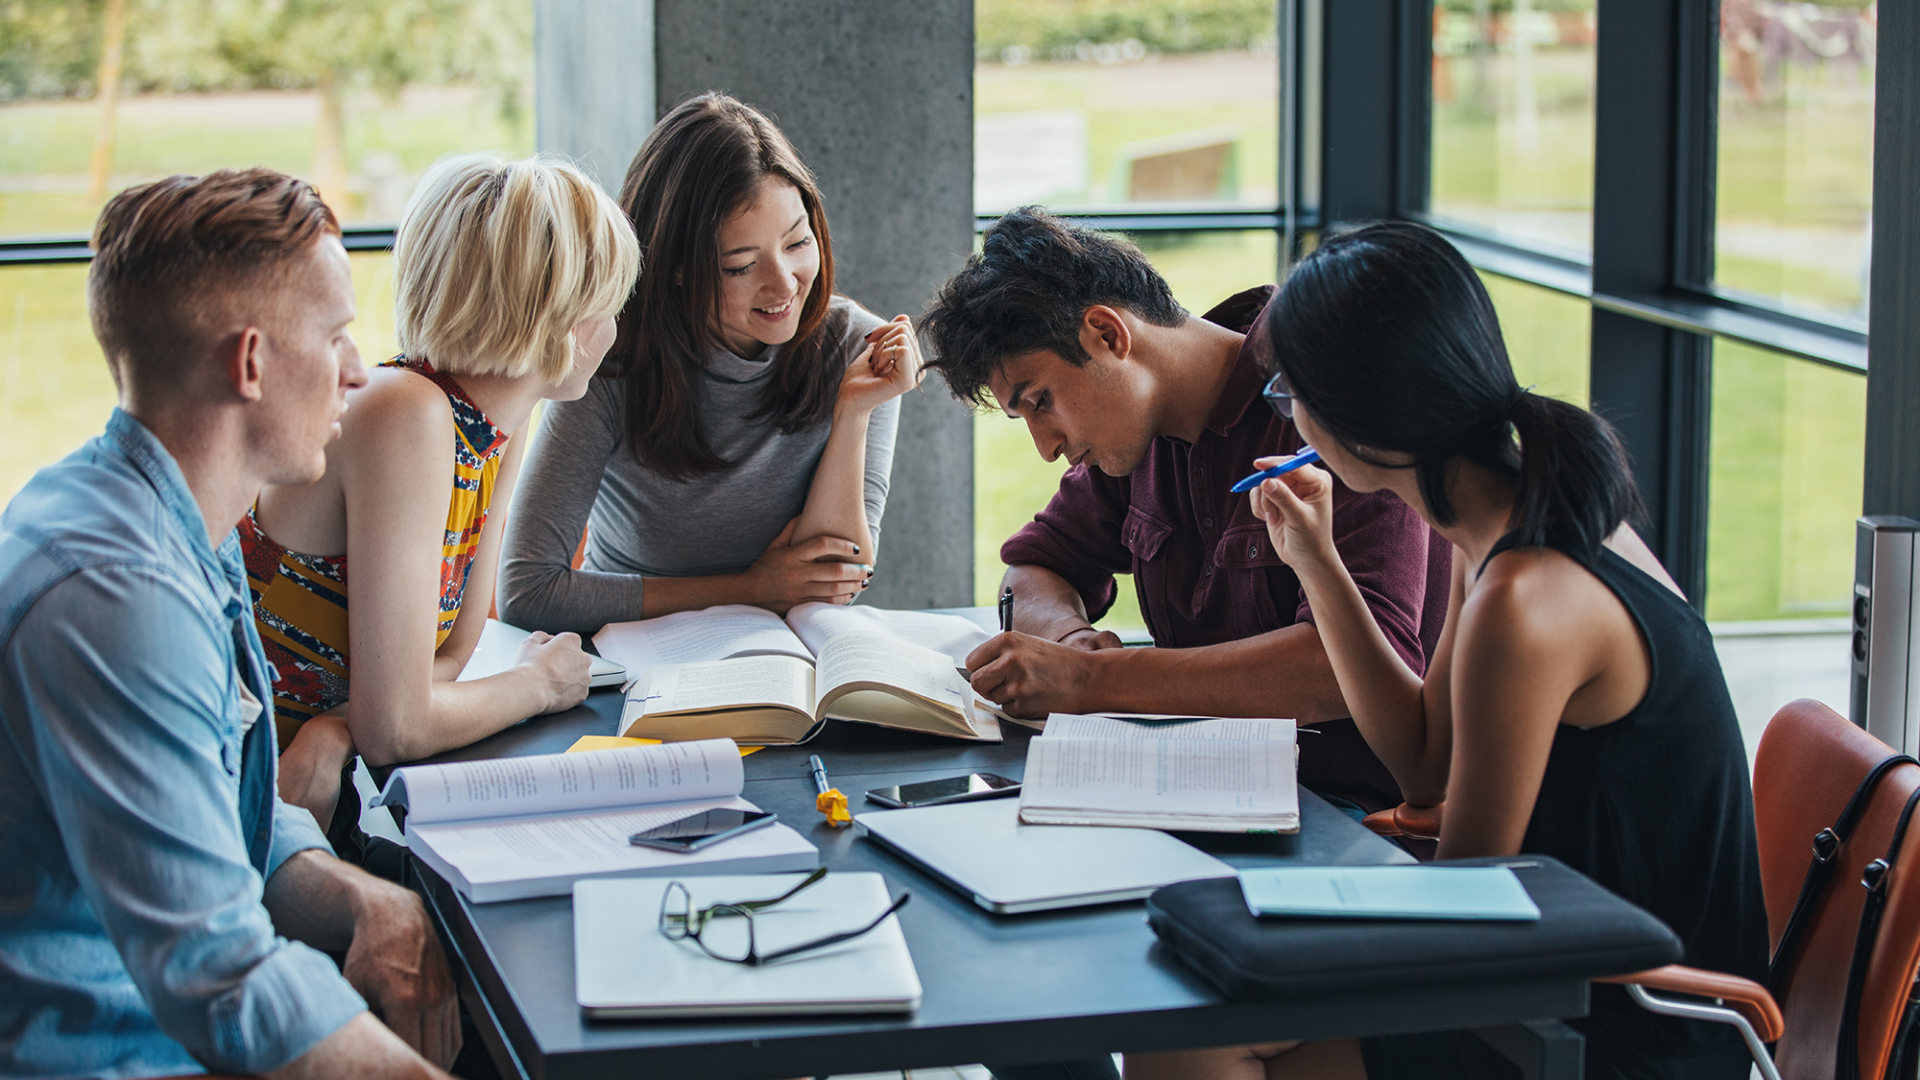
{"points": [[1103, 103], [1512, 138], [98, 95], [1548, 336], [1787, 446], [55, 390], [357, 98], [1795, 184]]}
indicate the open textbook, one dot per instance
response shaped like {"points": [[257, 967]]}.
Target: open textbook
{"points": [[1235, 776], [744, 673], [729, 630], [509, 828]]}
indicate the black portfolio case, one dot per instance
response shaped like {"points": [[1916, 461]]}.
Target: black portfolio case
{"points": [[1584, 931]]}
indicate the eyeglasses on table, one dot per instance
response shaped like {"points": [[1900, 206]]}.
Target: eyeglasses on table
{"points": [[681, 921]]}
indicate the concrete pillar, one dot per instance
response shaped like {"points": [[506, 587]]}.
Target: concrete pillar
{"points": [[593, 82], [1893, 322], [878, 99]]}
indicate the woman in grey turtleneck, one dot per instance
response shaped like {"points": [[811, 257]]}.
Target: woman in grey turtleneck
{"points": [[736, 445]]}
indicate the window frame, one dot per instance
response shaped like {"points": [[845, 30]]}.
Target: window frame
{"points": [[73, 247]]}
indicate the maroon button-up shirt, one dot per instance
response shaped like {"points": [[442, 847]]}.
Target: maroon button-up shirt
{"points": [[1206, 572]]}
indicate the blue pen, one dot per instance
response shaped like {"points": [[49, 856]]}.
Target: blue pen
{"points": [[1307, 456]]}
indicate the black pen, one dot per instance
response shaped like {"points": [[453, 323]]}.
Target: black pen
{"points": [[1006, 609]]}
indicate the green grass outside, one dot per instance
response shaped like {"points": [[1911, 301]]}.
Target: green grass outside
{"points": [[55, 390], [1799, 161], [1480, 166], [157, 135], [1788, 443], [1120, 108]]}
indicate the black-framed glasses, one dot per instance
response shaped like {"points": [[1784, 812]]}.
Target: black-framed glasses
{"points": [[1278, 396], [681, 921]]}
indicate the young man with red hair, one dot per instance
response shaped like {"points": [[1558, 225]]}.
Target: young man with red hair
{"points": [[154, 878]]}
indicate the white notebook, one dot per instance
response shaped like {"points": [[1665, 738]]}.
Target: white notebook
{"points": [[982, 849], [625, 969]]}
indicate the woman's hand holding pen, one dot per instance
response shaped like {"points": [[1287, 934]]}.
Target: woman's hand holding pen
{"points": [[888, 367], [1298, 510]]}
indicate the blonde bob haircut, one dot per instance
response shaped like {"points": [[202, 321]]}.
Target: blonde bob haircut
{"points": [[497, 259]]}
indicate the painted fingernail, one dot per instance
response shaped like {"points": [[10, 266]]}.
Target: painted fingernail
{"points": [[864, 584], [856, 549]]}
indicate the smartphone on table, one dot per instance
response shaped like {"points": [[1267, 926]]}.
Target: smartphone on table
{"points": [[951, 789], [695, 831]]}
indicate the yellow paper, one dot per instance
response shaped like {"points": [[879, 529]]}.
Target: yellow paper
{"points": [[615, 742]]}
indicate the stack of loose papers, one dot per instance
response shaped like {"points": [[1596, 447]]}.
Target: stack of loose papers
{"points": [[1233, 776], [625, 968], [1389, 892]]}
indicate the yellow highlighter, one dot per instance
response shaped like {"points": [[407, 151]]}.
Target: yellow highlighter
{"points": [[830, 801]]}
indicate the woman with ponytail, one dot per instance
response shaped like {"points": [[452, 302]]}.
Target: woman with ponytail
{"points": [[1574, 707]]}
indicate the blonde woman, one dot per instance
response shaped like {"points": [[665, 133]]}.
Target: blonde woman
{"points": [[508, 276]]}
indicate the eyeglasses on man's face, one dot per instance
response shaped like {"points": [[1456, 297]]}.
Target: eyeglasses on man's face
{"points": [[681, 921], [1278, 396]]}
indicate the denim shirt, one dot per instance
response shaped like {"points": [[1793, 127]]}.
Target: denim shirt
{"points": [[139, 818]]}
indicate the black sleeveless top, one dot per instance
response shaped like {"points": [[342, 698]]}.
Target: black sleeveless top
{"points": [[1657, 807]]}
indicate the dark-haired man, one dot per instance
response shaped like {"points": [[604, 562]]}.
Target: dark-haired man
{"points": [[1075, 333], [153, 877]]}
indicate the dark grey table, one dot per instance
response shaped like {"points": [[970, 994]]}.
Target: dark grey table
{"points": [[1010, 989]]}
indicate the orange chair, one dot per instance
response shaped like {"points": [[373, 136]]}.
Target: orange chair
{"points": [[1810, 763], [1417, 822]]}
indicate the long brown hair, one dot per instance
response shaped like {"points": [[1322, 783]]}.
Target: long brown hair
{"points": [[702, 162]]}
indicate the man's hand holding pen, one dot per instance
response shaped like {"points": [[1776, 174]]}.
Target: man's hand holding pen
{"points": [[1030, 677]]}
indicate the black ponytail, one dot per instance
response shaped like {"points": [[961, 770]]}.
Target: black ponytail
{"points": [[1387, 336], [1575, 484]]}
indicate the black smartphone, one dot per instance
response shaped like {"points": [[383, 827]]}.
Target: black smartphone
{"points": [[980, 785], [695, 831]]}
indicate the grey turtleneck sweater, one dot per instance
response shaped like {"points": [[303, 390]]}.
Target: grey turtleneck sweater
{"points": [[579, 472]]}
